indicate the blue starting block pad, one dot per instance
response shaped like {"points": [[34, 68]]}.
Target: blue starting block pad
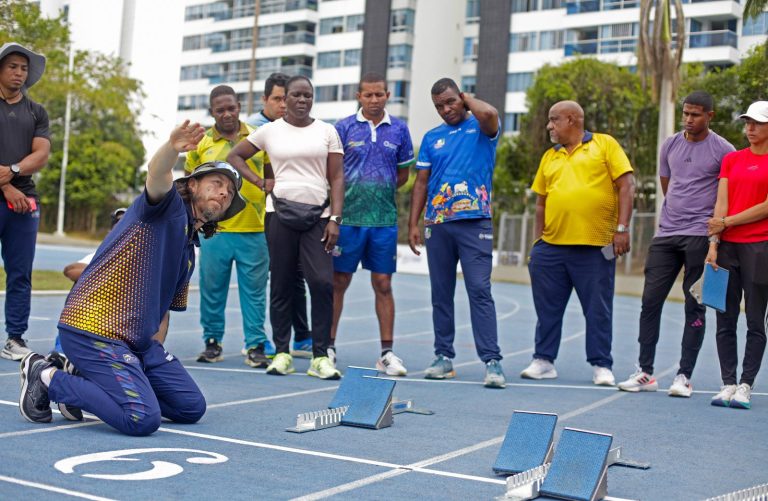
{"points": [[371, 404], [527, 444], [579, 466], [347, 391]]}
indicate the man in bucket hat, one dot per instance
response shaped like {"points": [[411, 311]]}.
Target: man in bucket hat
{"points": [[24, 149], [140, 271]]}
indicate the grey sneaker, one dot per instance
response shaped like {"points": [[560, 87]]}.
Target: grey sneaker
{"points": [[212, 352], [441, 368], [15, 349], [34, 403], [494, 376], [741, 397], [256, 357]]}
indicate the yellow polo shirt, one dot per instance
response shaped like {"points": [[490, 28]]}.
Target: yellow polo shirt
{"points": [[213, 147], [582, 205]]}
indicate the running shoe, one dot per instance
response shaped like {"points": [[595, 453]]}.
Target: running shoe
{"points": [[741, 398], [639, 381], [494, 376], [15, 349], [34, 403], [681, 387], [441, 368], [302, 349], [281, 365], [603, 376], [539, 369], [332, 354], [323, 368], [723, 399], [212, 352], [256, 358], [391, 365]]}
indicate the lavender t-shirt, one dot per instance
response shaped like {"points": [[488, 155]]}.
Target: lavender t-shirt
{"points": [[692, 169]]}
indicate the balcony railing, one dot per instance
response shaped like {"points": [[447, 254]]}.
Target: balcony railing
{"points": [[582, 6], [695, 40], [713, 39]]}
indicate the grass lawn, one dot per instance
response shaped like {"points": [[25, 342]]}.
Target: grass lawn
{"points": [[45, 280]]}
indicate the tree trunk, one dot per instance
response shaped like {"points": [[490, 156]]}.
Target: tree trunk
{"points": [[666, 129]]}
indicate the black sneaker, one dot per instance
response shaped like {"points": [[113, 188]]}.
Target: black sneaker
{"points": [[212, 352], [60, 361], [34, 403], [256, 357]]}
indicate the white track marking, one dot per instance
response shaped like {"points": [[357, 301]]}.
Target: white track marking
{"points": [[50, 488], [271, 397]]}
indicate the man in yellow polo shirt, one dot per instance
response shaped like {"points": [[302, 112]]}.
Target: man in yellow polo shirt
{"points": [[240, 240], [585, 188]]}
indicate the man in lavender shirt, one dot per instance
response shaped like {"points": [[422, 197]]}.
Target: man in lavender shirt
{"points": [[689, 165]]}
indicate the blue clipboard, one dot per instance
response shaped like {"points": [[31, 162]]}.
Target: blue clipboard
{"points": [[714, 287]]}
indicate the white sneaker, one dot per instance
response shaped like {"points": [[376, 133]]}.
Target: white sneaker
{"points": [[681, 387], [723, 399], [15, 349], [740, 399], [639, 381], [603, 376], [391, 365], [332, 355], [539, 369]]}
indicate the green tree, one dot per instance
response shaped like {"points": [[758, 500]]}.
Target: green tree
{"points": [[733, 88], [105, 148], [614, 103]]}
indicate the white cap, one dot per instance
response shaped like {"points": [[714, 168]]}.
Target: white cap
{"points": [[758, 111]]}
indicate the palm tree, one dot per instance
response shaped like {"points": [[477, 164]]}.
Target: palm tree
{"points": [[754, 8], [659, 57]]}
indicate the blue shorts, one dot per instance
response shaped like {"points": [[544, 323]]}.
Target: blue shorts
{"points": [[375, 246]]}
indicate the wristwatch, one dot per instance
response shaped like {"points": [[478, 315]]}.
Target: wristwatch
{"points": [[337, 219], [622, 228], [15, 169]]}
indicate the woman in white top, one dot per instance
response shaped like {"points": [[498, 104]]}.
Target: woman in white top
{"points": [[306, 160]]}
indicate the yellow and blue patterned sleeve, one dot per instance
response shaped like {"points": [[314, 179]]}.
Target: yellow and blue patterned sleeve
{"points": [[618, 163]]}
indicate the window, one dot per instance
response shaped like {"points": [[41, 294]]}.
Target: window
{"points": [[469, 84], [398, 91], [349, 92], [352, 57], [331, 25], [241, 39], [549, 40], [522, 42], [402, 21], [757, 26], [472, 13], [470, 49], [519, 82], [190, 72], [199, 102], [329, 59], [326, 93], [192, 43], [355, 23], [552, 4], [399, 56], [523, 5], [512, 122]]}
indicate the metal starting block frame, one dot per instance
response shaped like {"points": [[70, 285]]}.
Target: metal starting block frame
{"points": [[756, 493], [317, 420]]}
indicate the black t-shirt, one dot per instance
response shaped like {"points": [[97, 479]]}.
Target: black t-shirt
{"points": [[20, 123]]}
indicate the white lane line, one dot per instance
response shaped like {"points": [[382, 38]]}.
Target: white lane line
{"points": [[333, 491], [271, 397], [50, 488], [398, 313], [339, 457]]}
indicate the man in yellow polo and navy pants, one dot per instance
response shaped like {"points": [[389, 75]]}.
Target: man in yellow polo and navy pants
{"points": [[585, 190], [240, 240]]}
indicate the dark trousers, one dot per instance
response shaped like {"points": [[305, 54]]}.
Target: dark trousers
{"points": [[471, 243], [555, 271], [128, 390], [18, 234], [748, 267], [666, 256], [289, 249], [301, 330]]}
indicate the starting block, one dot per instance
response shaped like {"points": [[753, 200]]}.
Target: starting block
{"points": [[756, 493], [527, 444], [362, 400], [579, 469]]}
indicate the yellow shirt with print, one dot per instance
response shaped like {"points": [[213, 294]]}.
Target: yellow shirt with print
{"points": [[214, 146], [582, 200]]}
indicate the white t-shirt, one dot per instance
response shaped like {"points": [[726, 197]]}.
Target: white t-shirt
{"points": [[299, 157]]}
